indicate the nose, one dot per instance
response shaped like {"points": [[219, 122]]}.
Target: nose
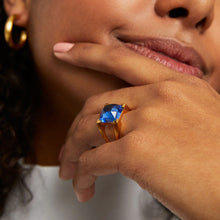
{"points": [[197, 14]]}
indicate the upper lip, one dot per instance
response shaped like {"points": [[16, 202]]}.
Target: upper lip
{"points": [[170, 48]]}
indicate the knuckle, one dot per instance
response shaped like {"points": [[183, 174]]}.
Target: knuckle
{"points": [[86, 160], [82, 126], [83, 162], [89, 103], [168, 91], [70, 154], [150, 115], [107, 96]]}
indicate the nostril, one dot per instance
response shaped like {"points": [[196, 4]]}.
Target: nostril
{"points": [[178, 12], [200, 25]]}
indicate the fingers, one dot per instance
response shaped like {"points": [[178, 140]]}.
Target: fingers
{"points": [[101, 161], [104, 160], [119, 61], [84, 195], [84, 132], [82, 137], [86, 136]]}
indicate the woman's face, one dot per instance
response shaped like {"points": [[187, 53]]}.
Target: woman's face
{"points": [[105, 22]]}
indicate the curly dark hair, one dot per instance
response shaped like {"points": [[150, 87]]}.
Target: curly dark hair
{"points": [[18, 99]]}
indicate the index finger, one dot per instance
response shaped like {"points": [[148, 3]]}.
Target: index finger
{"points": [[119, 60]]}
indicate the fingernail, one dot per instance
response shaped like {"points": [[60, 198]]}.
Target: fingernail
{"points": [[62, 47], [79, 197]]}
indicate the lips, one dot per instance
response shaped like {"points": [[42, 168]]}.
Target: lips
{"points": [[169, 53]]}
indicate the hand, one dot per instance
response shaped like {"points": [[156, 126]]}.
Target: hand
{"points": [[170, 141]]}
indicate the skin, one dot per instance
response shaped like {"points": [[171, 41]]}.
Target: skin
{"points": [[155, 149]]}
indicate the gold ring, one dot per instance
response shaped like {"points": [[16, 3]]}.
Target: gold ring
{"points": [[111, 115]]}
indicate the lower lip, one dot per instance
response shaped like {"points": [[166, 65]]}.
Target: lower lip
{"points": [[166, 61]]}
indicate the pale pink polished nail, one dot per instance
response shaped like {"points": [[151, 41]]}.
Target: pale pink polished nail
{"points": [[62, 47]]}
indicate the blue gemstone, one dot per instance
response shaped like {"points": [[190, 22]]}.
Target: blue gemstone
{"points": [[111, 113]]}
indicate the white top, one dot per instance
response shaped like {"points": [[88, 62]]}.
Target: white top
{"points": [[116, 198]]}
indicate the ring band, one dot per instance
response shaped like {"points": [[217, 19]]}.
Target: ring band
{"points": [[111, 115]]}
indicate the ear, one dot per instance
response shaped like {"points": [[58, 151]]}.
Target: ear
{"points": [[19, 8]]}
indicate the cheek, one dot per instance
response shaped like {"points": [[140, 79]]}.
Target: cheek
{"points": [[214, 81], [85, 20], [53, 21], [215, 48]]}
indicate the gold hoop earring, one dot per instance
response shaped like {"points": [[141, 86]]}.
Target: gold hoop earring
{"points": [[8, 34]]}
